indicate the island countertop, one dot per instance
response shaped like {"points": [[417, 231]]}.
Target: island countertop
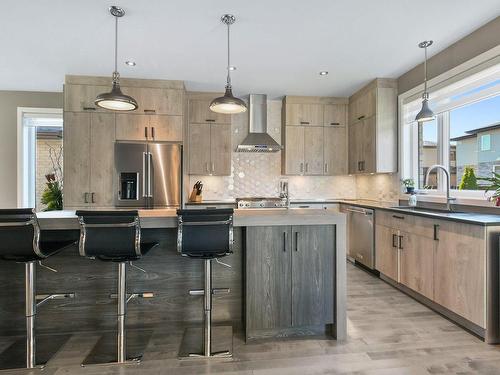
{"points": [[167, 218]]}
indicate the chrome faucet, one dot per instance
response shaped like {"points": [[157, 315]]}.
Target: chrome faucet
{"points": [[443, 168], [284, 191]]}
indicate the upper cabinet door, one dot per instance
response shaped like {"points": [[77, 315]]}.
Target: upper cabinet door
{"points": [[363, 106], [335, 150], [220, 149], [335, 114], [199, 112], [312, 274], [368, 140], [355, 149], [165, 128], [77, 162], [199, 149], [157, 100], [304, 114], [102, 137], [294, 150], [313, 150], [132, 127], [78, 98]]}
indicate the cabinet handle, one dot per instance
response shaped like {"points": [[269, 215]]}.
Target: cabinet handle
{"points": [[209, 120], [89, 108], [304, 123], [301, 167], [146, 132], [398, 217], [363, 165], [436, 232], [150, 111], [86, 197], [394, 236], [296, 241], [361, 117], [213, 167], [400, 242], [359, 166], [307, 167], [284, 242], [92, 197], [326, 167], [153, 132], [335, 123]]}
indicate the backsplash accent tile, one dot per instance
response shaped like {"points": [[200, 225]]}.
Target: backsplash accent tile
{"points": [[258, 174]]}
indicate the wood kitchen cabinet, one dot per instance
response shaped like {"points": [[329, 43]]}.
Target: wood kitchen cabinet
{"points": [[289, 278], [89, 160], [199, 112], [210, 149], [441, 260], [304, 114], [81, 97], [314, 136], [373, 128], [137, 127]]}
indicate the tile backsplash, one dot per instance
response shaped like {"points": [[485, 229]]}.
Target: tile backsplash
{"points": [[258, 174], [380, 187]]}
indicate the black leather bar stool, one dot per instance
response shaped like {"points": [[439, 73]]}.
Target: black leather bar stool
{"points": [[207, 235], [22, 241], [115, 236]]}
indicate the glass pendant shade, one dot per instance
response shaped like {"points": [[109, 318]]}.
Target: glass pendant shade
{"points": [[116, 100], [228, 104]]}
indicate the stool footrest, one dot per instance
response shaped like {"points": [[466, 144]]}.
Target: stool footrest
{"points": [[215, 291], [42, 298], [131, 296]]}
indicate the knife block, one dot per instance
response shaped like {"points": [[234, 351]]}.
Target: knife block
{"points": [[195, 198]]}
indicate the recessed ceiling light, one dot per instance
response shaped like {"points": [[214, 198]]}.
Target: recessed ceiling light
{"points": [[323, 73], [232, 67], [130, 63]]}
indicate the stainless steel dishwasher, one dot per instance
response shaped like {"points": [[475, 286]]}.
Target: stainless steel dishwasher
{"points": [[361, 235]]}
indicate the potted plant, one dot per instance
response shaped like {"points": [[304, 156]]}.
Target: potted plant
{"points": [[493, 185], [52, 196], [409, 184]]}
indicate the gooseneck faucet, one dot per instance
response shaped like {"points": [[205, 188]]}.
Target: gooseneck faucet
{"points": [[443, 168]]}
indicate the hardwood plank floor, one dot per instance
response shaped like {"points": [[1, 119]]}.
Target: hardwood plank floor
{"points": [[389, 334]]}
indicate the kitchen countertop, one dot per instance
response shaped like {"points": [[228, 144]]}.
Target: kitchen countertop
{"points": [[167, 218]]}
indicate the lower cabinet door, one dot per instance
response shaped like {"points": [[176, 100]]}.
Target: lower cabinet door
{"points": [[386, 251], [417, 263], [268, 278], [313, 274], [459, 277]]}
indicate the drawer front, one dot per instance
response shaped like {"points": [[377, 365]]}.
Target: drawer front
{"points": [[417, 225]]}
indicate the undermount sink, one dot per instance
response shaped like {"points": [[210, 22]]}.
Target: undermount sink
{"points": [[426, 210]]}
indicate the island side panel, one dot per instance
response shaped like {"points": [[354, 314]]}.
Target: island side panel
{"points": [[340, 299]]}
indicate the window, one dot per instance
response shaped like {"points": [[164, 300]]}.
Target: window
{"points": [[486, 142], [465, 136], [40, 151]]}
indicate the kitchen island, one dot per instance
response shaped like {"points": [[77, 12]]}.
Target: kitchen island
{"points": [[317, 237]]}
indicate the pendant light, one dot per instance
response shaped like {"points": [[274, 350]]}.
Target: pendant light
{"points": [[425, 113], [116, 100], [228, 103]]}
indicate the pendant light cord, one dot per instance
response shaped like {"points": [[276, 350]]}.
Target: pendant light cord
{"points": [[425, 70], [228, 59], [116, 44]]}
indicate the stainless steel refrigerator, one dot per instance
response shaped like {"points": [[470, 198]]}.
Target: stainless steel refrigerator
{"points": [[148, 175]]}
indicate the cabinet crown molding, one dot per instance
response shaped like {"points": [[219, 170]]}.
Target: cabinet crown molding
{"points": [[124, 82]]}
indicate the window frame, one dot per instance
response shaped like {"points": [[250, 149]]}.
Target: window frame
{"points": [[408, 135]]}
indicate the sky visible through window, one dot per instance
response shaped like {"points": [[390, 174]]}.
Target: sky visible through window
{"points": [[472, 116]]}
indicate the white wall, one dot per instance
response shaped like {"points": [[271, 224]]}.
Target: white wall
{"points": [[9, 102]]}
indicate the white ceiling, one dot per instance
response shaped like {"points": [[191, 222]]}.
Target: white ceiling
{"points": [[278, 46]]}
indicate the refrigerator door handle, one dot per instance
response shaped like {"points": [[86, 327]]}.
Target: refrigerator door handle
{"points": [[150, 161], [144, 194]]}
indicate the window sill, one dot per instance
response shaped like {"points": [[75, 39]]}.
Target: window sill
{"points": [[461, 199]]}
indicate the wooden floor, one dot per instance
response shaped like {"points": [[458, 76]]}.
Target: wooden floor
{"points": [[389, 333]]}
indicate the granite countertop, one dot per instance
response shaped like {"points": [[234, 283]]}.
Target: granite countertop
{"points": [[167, 218]]}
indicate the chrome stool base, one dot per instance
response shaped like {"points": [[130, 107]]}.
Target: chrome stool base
{"points": [[192, 345]]}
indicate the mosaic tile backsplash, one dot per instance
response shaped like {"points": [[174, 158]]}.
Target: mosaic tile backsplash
{"points": [[258, 174]]}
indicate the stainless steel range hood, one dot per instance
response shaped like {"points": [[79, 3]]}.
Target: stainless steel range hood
{"points": [[257, 139]]}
